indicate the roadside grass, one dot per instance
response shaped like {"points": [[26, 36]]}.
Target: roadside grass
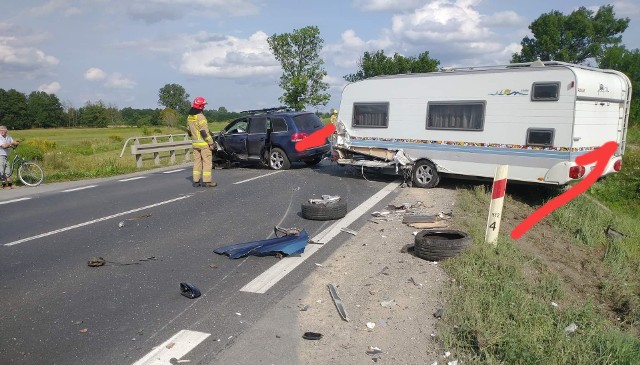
{"points": [[500, 307], [68, 154]]}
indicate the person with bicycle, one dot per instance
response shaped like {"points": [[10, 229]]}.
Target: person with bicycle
{"points": [[6, 142]]}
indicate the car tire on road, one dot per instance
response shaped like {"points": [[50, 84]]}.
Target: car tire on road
{"points": [[438, 244], [324, 212], [278, 160]]}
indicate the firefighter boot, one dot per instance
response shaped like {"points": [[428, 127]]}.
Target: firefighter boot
{"points": [[211, 184]]}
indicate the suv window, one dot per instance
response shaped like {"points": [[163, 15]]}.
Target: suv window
{"points": [[239, 126], [258, 125], [308, 122], [278, 125]]}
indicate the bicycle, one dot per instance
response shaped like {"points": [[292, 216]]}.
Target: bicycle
{"points": [[29, 172]]}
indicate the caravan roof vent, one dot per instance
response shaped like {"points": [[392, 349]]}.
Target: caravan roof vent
{"points": [[537, 63]]}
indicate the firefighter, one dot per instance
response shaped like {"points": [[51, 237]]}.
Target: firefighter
{"points": [[202, 144], [334, 116]]}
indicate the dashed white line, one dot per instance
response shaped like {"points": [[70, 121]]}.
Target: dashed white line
{"points": [[14, 200], [275, 273], [80, 188], [257, 177], [175, 347], [172, 171], [95, 221], [133, 178]]}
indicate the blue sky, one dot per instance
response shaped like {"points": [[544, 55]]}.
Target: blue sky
{"points": [[123, 52]]}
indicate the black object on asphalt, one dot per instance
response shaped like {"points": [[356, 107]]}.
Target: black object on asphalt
{"points": [[312, 336], [189, 291]]}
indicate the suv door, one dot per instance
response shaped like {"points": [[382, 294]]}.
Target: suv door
{"points": [[234, 138], [256, 137]]}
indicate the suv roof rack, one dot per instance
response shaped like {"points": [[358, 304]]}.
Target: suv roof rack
{"points": [[266, 110]]}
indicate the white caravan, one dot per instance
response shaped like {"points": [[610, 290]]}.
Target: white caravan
{"points": [[534, 117]]}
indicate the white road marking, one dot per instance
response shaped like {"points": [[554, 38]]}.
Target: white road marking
{"points": [[275, 273], [175, 347], [133, 178], [257, 177], [172, 171], [14, 200], [80, 188], [94, 221]]}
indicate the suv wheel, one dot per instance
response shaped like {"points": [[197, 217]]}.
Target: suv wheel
{"points": [[278, 160]]}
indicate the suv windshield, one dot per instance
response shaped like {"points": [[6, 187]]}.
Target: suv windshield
{"points": [[308, 122]]}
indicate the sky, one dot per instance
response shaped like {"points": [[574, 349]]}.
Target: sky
{"points": [[123, 52]]}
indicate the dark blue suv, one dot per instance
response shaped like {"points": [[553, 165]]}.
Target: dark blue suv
{"points": [[269, 136]]}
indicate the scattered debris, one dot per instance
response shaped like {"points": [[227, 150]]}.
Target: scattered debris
{"points": [[189, 290], [370, 325], [84, 330], [413, 281], [439, 313], [238, 314], [319, 265], [174, 361], [554, 304], [454, 362], [419, 218], [447, 354], [96, 261], [312, 336], [372, 350], [612, 234], [347, 230], [426, 225], [338, 302], [571, 328], [325, 199], [286, 245], [381, 214], [388, 303], [286, 231], [303, 307], [403, 206], [121, 224], [170, 345]]}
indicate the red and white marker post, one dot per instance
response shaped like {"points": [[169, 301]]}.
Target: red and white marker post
{"points": [[497, 201]]}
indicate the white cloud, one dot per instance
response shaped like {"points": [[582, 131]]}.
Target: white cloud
{"points": [[228, 56], [117, 81], [113, 81], [51, 88], [347, 53], [95, 74], [53, 6], [504, 19], [17, 57]]}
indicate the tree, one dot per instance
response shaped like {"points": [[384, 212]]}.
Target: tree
{"points": [[94, 115], [169, 117], [13, 109], [574, 38], [298, 53], [175, 97], [621, 59], [376, 64], [44, 110]]}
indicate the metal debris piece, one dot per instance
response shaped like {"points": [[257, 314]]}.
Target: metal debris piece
{"points": [[350, 231], [303, 307], [287, 245], [337, 301]]}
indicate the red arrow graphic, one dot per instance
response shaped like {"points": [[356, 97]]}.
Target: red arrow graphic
{"points": [[315, 139], [601, 157]]}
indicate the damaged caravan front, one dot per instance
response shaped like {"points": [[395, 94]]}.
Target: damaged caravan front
{"points": [[535, 117]]}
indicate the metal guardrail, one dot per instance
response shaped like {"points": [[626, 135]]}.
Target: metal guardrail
{"points": [[155, 147]]}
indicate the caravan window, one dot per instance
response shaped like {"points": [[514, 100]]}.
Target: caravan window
{"points": [[540, 137], [464, 115], [545, 91], [370, 115]]}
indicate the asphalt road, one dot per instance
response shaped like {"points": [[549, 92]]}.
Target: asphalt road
{"points": [[55, 309]]}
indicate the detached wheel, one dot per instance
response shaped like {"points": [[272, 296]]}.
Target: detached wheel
{"points": [[324, 212], [425, 174], [278, 160], [438, 244]]}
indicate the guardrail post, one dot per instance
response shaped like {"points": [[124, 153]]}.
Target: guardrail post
{"points": [[156, 155], [172, 153], [187, 154], [139, 155]]}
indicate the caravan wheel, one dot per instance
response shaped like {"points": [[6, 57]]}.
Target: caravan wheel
{"points": [[425, 174]]}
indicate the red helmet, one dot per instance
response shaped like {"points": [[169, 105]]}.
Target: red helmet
{"points": [[199, 102]]}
